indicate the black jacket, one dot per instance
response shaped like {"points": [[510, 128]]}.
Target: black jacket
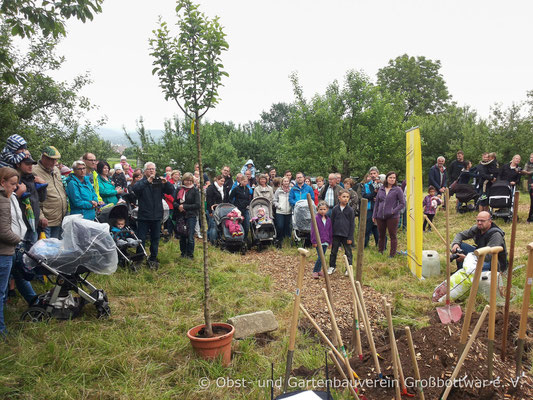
{"points": [[119, 180], [36, 196], [343, 222], [487, 172], [212, 197], [228, 183], [191, 205], [510, 175], [454, 170], [150, 196], [240, 197]]}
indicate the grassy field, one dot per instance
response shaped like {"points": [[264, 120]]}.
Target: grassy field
{"points": [[142, 352]]}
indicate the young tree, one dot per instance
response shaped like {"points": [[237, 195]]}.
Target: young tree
{"points": [[190, 72]]}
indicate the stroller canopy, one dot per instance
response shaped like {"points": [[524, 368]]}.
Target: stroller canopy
{"points": [[465, 192], [260, 202], [500, 188], [119, 211], [221, 211], [85, 242]]}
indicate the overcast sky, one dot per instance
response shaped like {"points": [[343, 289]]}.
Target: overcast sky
{"points": [[482, 46]]}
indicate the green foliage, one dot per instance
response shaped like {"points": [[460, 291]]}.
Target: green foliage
{"points": [[418, 81], [43, 110], [345, 130], [25, 19]]}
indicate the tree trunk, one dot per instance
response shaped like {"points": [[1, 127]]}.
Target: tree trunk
{"points": [[203, 230]]}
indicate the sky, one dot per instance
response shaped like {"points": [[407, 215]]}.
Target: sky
{"points": [[482, 46]]}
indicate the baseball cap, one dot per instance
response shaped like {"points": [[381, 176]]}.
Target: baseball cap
{"points": [[51, 152], [29, 160]]}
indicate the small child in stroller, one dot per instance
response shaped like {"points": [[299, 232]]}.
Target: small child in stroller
{"points": [[261, 218], [233, 221], [123, 235]]}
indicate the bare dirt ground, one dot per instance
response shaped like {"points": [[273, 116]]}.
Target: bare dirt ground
{"points": [[436, 346]]}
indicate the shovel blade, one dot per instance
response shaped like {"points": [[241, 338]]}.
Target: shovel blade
{"points": [[449, 314]]}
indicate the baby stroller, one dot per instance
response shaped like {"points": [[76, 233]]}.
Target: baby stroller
{"points": [[87, 247], [262, 224], [301, 223], [501, 200], [465, 193], [225, 239], [127, 245]]}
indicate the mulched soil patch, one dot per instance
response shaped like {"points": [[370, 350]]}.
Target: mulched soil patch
{"points": [[436, 346]]}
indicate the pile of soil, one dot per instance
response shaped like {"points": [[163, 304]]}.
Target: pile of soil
{"points": [[436, 346]]}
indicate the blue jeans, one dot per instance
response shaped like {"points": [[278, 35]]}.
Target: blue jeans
{"points": [[283, 226], [468, 248], [212, 233], [318, 264], [23, 286], [155, 232], [5, 269], [55, 232], [187, 241]]}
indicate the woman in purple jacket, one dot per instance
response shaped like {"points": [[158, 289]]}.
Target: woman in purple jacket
{"points": [[325, 231], [389, 202]]}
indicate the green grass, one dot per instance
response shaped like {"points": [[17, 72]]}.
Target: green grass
{"points": [[142, 351]]}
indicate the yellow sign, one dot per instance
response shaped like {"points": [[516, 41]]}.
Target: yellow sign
{"points": [[413, 194], [192, 126]]}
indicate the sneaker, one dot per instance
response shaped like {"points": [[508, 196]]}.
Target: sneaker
{"points": [[315, 275], [320, 273], [331, 270], [346, 273]]}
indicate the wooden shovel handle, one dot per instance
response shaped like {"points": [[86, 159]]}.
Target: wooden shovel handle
{"points": [[303, 252], [358, 346], [415, 362], [483, 251], [435, 230], [341, 372], [473, 292], [368, 328], [527, 293], [496, 249], [493, 290], [299, 284], [320, 332], [465, 352], [392, 341]]}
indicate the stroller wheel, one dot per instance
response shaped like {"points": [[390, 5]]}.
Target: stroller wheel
{"points": [[153, 265], [35, 314], [103, 311], [135, 266]]}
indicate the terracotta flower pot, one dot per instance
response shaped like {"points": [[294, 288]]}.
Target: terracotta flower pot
{"points": [[211, 348]]}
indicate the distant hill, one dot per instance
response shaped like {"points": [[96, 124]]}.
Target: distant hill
{"points": [[117, 136]]}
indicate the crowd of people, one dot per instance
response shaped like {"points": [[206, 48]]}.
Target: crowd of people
{"points": [[35, 197]]}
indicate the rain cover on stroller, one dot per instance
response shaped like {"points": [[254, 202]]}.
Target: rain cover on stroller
{"points": [[85, 242], [302, 216]]}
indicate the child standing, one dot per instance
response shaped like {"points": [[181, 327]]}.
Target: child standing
{"points": [[323, 223], [431, 202], [343, 226]]}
